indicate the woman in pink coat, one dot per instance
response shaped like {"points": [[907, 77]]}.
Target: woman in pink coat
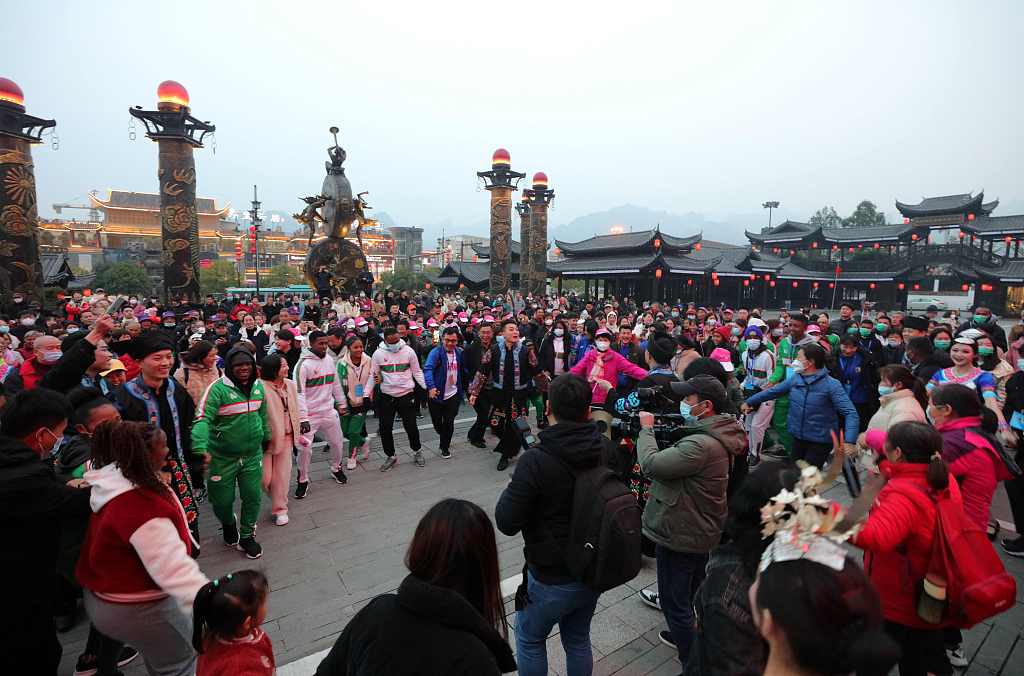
{"points": [[604, 364]]}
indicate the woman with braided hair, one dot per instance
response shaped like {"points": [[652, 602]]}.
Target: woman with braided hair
{"points": [[136, 566]]}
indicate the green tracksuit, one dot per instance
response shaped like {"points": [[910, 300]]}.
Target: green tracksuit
{"points": [[233, 429]]}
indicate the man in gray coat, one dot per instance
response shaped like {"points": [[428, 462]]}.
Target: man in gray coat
{"points": [[686, 511]]}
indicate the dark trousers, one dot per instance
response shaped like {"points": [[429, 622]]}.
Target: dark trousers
{"points": [[442, 415], [508, 436], [814, 452], [1015, 491], [679, 575], [405, 406], [28, 639], [924, 650], [483, 413], [105, 649]]}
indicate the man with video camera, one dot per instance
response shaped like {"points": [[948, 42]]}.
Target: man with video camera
{"points": [[686, 511]]}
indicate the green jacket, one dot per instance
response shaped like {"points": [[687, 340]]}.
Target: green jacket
{"points": [[687, 506], [228, 423]]}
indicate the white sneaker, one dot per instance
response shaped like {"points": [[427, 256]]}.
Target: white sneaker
{"points": [[280, 519], [351, 464], [956, 657]]}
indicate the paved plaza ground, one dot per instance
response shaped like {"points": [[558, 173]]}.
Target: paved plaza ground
{"points": [[345, 545]]}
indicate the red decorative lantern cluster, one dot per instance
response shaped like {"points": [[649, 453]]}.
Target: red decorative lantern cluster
{"points": [[238, 249], [252, 239]]}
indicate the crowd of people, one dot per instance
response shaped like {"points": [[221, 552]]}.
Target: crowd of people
{"points": [[121, 415]]}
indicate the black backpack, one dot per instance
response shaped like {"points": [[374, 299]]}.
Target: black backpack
{"points": [[603, 548]]}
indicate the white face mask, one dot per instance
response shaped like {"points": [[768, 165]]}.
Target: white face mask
{"points": [[28, 321], [559, 332], [392, 347], [602, 345], [798, 366], [754, 344]]}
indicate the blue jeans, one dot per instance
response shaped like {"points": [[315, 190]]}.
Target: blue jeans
{"points": [[570, 606], [679, 575]]}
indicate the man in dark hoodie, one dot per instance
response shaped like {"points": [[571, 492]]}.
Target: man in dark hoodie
{"points": [[35, 505], [538, 502]]}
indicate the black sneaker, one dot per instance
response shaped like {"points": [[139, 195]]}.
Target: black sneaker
{"points": [[301, 489], [230, 535], [250, 547], [650, 597], [389, 463], [1013, 547], [446, 453], [478, 443], [666, 637], [503, 463], [88, 664], [339, 477], [418, 458]]}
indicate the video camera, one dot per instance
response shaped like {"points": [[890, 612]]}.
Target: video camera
{"points": [[662, 402]]}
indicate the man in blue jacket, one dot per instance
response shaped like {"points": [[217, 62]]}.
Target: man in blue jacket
{"points": [[816, 400], [444, 373]]}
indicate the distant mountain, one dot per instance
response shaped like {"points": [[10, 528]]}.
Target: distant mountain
{"points": [[634, 217], [383, 218]]}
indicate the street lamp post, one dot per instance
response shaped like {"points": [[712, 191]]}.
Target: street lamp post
{"points": [[254, 215], [769, 206]]}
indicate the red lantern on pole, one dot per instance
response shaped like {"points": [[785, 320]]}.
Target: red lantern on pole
{"points": [[917, 287], [772, 283], [871, 285], [689, 282], [746, 282], [814, 285], [901, 286], [831, 285], [877, 245], [795, 284], [965, 287], [970, 217]]}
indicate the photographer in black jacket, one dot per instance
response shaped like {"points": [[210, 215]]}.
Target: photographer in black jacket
{"points": [[538, 502]]}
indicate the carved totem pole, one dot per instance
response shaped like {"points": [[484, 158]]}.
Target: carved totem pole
{"points": [[175, 130], [501, 181], [20, 269], [523, 209], [535, 269]]}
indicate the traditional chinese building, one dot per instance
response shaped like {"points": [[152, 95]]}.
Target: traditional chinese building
{"points": [[130, 229], [951, 245]]}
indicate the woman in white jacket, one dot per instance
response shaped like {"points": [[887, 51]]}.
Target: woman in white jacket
{"points": [[902, 398], [758, 364], [136, 566]]}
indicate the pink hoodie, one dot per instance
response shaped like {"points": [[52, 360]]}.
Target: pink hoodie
{"points": [[611, 364]]}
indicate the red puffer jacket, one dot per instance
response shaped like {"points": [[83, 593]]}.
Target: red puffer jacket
{"points": [[975, 464], [897, 540]]}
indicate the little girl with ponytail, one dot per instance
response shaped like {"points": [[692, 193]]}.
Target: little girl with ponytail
{"points": [[227, 615]]}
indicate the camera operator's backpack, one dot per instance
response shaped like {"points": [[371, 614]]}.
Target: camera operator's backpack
{"points": [[603, 548]]}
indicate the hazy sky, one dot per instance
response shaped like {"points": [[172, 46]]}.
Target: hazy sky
{"points": [[683, 106]]}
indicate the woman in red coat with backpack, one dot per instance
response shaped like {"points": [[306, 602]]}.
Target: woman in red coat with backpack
{"points": [[897, 540]]}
